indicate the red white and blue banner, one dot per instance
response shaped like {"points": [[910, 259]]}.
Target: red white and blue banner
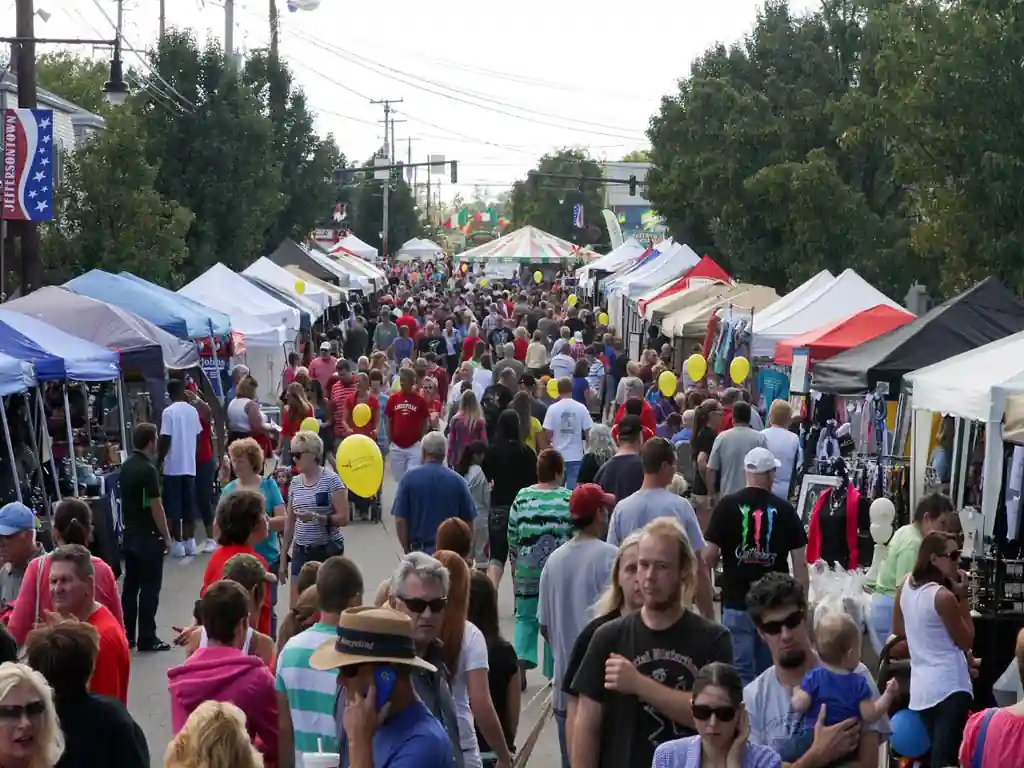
{"points": [[577, 216], [28, 164]]}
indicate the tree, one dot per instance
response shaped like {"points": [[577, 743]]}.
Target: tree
{"points": [[637, 156], [110, 216], [367, 220], [76, 79], [548, 203], [216, 154]]}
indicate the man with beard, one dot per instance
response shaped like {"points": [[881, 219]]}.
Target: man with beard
{"points": [[638, 672], [778, 606]]}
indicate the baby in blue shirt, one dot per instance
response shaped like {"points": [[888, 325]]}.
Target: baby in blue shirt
{"points": [[835, 684]]}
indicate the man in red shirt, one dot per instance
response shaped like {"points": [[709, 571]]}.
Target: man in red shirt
{"points": [[361, 394], [408, 321], [470, 342], [439, 374], [408, 418], [340, 395], [647, 417], [73, 588]]}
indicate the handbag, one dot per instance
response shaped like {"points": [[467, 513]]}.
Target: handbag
{"points": [[979, 743]]}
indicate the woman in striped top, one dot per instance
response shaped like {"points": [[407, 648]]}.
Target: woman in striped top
{"points": [[317, 509]]}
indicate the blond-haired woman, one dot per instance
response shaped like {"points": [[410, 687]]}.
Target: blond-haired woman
{"points": [[622, 597], [30, 735], [244, 416], [214, 736], [466, 426], [247, 463], [317, 509]]}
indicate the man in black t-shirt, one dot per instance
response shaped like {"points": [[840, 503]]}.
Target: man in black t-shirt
{"points": [[635, 680], [433, 341], [623, 474], [146, 540], [753, 533]]}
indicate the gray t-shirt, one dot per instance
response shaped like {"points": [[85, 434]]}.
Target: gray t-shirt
{"points": [[772, 719], [727, 455], [573, 578], [638, 510], [384, 336]]}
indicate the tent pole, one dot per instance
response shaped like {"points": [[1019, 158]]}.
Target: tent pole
{"points": [[10, 449], [71, 441], [123, 418], [44, 432]]}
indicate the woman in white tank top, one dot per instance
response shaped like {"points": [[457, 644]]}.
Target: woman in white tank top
{"points": [[932, 612]]}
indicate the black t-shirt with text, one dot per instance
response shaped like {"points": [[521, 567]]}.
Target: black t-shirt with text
{"points": [[755, 532], [621, 476], [703, 443], [435, 344], [579, 650], [671, 657], [499, 337]]}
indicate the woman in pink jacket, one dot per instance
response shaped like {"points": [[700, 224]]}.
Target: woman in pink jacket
{"points": [[222, 669], [72, 524]]}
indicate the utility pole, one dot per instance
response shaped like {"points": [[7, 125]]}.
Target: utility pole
{"points": [[28, 231], [163, 20], [274, 31], [388, 147], [229, 31]]}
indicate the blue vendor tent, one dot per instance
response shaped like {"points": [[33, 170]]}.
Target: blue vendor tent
{"points": [[55, 354], [220, 323], [15, 375], [171, 315]]}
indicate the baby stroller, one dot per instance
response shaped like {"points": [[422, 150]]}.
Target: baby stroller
{"points": [[894, 663]]}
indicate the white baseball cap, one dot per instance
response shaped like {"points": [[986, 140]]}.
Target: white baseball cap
{"points": [[325, 346], [760, 460]]}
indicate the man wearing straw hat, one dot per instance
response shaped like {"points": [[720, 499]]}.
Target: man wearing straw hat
{"points": [[392, 728]]}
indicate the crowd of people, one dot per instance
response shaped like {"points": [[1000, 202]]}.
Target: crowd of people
{"points": [[519, 435]]}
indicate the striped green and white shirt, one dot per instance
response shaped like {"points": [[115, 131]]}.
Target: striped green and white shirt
{"points": [[310, 692], [538, 524]]}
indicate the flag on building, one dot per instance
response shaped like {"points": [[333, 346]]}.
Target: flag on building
{"points": [[577, 216], [28, 164]]}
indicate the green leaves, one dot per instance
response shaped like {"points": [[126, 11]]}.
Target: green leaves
{"points": [[548, 203], [881, 135]]}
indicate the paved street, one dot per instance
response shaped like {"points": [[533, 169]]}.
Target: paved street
{"points": [[376, 551]]}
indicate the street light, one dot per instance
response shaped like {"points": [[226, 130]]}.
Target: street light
{"points": [[116, 90]]}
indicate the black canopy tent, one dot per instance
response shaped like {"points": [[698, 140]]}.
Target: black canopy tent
{"points": [[980, 315]]}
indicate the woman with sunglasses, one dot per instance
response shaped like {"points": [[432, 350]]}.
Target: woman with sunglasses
{"points": [[933, 613], [30, 734], [723, 727]]}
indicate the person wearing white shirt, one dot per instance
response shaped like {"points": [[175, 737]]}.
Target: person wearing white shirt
{"points": [[180, 431], [567, 425], [562, 365], [784, 445]]}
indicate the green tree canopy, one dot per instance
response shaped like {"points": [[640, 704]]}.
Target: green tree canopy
{"points": [[548, 203]]}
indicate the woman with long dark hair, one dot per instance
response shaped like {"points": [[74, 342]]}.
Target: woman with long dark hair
{"points": [[531, 431], [510, 466], [464, 651], [471, 467], [502, 664], [706, 421], [932, 611]]}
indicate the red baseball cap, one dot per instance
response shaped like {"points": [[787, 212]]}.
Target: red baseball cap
{"points": [[587, 500]]}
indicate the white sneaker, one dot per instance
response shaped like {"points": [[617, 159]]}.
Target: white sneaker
{"points": [[178, 549], [190, 547], [209, 546]]}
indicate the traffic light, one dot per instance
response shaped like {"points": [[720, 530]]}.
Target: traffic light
{"points": [[455, 172], [632, 186]]}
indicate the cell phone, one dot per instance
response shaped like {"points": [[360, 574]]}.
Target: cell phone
{"points": [[384, 678]]}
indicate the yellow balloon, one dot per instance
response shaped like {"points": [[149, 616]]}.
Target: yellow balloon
{"points": [[396, 385], [667, 383], [483, 283], [361, 415], [603, 318], [360, 465], [538, 276], [572, 300], [300, 287], [553, 389], [739, 369], [309, 424], [696, 366]]}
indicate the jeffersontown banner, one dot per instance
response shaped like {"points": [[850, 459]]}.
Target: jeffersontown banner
{"points": [[27, 164]]}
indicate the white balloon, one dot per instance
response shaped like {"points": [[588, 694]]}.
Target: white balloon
{"points": [[881, 533], [882, 511]]}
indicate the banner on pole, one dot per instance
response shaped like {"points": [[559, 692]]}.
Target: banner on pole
{"points": [[577, 216], [28, 164]]}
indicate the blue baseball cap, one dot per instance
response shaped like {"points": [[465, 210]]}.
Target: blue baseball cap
{"points": [[15, 518]]}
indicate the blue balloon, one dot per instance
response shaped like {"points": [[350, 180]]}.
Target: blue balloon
{"points": [[909, 735]]}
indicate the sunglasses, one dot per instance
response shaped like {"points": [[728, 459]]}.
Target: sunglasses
{"points": [[953, 556], [419, 605], [722, 714], [792, 621], [17, 711]]}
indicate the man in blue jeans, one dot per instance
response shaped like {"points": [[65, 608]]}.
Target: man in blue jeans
{"points": [[752, 533]]}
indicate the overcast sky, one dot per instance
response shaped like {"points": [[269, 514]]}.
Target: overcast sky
{"points": [[537, 74]]}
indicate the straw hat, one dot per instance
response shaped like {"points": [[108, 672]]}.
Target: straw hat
{"points": [[369, 635]]}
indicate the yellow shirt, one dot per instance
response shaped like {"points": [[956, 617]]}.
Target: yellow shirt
{"points": [[535, 429]]}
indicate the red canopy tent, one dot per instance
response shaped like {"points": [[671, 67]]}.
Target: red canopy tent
{"points": [[836, 337], [705, 269]]}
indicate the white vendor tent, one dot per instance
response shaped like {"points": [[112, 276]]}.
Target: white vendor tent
{"points": [[623, 256], [337, 294], [419, 248], [269, 272], [527, 245], [353, 246], [973, 385], [673, 260], [742, 300], [373, 278], [847, 295], [222, 289], [796, 297]]}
